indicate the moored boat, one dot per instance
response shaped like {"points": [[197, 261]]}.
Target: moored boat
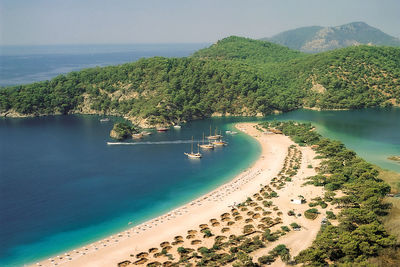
{"points": [[104, 120], [219, 142], [215, 136], [206, 146], [177, 126], [193, 155], [162, 129]]}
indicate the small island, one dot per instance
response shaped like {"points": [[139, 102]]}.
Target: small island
{"points": [[123, 130], [395, 158]]}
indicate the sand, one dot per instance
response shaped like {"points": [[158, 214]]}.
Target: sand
{"points": [[117, 248]]}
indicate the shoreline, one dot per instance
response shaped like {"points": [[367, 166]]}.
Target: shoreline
{"points": [[119, 247]]}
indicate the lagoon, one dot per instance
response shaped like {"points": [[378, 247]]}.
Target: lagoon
{"points": [[373, 133]]}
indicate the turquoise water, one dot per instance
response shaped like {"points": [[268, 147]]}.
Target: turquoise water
{"points": [[62, 186], [373, 133]]}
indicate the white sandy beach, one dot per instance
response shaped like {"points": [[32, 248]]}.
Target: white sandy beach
{"points": [[119, 247]]}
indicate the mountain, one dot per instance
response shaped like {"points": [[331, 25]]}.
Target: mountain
{"points": [[235, 76], [317, 39]]}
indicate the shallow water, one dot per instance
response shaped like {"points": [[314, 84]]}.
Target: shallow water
{"points": [[373, 133]]}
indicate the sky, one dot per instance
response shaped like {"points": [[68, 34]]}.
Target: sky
{"points": [[40, 22]]}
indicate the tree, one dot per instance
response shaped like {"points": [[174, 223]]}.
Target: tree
{"points": [[243, 260]]}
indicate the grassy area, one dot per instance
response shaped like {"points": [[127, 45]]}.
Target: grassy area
{"points": [[390, 177], [392, 221]]}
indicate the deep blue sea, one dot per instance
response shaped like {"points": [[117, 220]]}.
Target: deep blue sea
{"points": [[26, 64], [62, 186]]}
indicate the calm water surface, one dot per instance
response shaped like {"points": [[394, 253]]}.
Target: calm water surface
{"points": [[26, 64], [62, 186], [373, 133]]}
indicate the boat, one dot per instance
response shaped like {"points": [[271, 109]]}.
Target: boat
{"points": [[219, 142], [215, 136], [162, 129], [104, 120], [206, 146], [177, 126], [230, 132], [192, 155]]}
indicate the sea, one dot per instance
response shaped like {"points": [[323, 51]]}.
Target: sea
{"points": [[62, 186], [27, 64]]}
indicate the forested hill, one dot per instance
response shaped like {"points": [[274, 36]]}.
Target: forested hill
{"points": [[234, 47], [251, 78]]}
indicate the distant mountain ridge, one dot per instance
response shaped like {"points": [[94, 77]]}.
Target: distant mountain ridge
{"points": [[316, 39]]}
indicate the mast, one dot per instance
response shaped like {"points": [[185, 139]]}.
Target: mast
{"points": [[192, 145]]}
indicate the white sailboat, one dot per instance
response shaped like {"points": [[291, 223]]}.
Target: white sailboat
{"points": [[206, 146], [192, 155]]}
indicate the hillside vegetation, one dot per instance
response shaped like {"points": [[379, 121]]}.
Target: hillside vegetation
{"points": [[234, 47], [236, 76]]}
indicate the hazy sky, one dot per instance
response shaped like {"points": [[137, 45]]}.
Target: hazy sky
{"points": [[179, 21]]}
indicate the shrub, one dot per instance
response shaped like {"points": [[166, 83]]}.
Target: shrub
{"points": [[282, 251], [266, 259], [207, 233], [204, 251], [295, 225], [323, 204], [181, 250], [273, 194], [330, 215], [311, 214]]}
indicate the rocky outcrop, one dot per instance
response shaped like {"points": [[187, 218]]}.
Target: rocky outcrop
{"points": [[115, 135]]}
